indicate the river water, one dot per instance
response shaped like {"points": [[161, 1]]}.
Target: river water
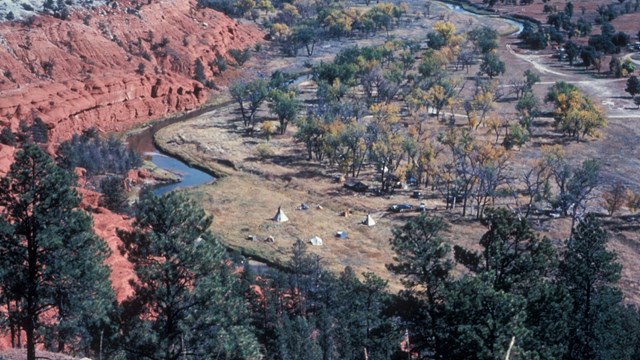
{"points": [[142, 142]]}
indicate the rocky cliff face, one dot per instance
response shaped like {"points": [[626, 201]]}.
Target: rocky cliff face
{"points": [[112, 67], [85, 72]]}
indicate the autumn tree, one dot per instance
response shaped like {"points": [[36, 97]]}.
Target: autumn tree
{"points": [[614, 198], [575, 114], [537, 185], [54, 282], [385, 142]]}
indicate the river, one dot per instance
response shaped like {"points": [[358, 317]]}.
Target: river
{"points": [[142, 142]]}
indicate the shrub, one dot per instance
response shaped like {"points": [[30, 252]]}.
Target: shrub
{"points": [[264, 151], [221, 63], [199, 71], [141, 68], [240, 56], [96, 155], [7, 137], [114, 194], [39, 131]]}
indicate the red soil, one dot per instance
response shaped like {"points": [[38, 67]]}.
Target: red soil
{"points": [[94, 79]]}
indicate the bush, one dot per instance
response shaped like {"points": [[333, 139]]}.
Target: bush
{"points": [[264, 151], [221, 63], [199, 71], [7, 137], [114, 194], [240, 56], [96, 155], [39, 131]]}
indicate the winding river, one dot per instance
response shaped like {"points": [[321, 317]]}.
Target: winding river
{"points": [[143, 142]]}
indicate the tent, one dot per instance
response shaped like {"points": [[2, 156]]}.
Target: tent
{"points": [[316, 241], [280, 216], [342, 235], [369, 220]]}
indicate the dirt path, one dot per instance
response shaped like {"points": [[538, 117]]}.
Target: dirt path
{"points": [[532, 60]]}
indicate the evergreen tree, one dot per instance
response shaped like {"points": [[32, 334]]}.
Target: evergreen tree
{"points": [[187, 302], [114, 194], [590, 272], [514, 260], [483, 320], [54, 281], [422, 260], [633, 86], [360, 318], [511, 252]]}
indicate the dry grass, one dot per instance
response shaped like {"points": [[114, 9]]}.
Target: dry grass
{"points": [[244, 202]]}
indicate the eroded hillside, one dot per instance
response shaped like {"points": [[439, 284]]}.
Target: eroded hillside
{"points": [[112, 67]]}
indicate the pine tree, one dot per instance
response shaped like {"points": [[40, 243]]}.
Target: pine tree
{"points": [[517, 265], [590, 272], [422, 259], [187, 302], [512, 253], [482, 320], [54, 283]]}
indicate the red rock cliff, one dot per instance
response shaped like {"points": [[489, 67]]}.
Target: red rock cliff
{"points": [[83, 72]]}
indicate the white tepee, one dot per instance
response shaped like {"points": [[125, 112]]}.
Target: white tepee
{"points": [[369, 220], [280, 216], [316, 241]]}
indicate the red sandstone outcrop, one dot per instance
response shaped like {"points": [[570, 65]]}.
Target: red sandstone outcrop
{"points": [[83, 72]]}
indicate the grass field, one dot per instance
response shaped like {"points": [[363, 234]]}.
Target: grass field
{"points": [[247, 197]]}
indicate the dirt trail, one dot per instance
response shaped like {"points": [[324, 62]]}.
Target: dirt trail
{"points": [[532, 60]]}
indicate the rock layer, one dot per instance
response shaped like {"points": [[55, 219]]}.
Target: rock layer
{"points": [[111, 67]]}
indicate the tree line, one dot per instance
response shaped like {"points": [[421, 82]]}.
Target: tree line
{"points": [[517, 294], [378, 108]]}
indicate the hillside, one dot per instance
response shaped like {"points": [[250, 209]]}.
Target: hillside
{"points": [[113, 66]]}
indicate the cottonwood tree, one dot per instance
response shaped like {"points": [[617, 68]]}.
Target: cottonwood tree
{"points": [[633, 86], [186, 301], [286, 106], [537, 186], [385, 142], [54, 283], [575, 114], [614, 198], [249, 96], [491, 65]]}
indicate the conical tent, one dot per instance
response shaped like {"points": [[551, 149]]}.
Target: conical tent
{"points": [[316, 241], [369, 220], [280, 216]]}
